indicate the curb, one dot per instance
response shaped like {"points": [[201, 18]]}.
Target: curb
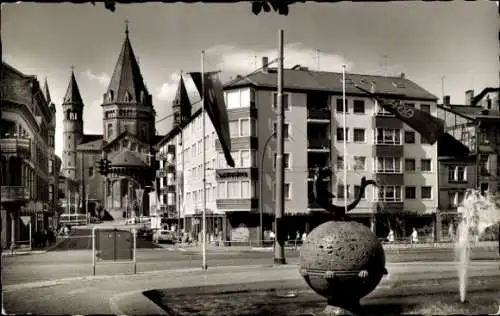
{"points": [[134, 303]]}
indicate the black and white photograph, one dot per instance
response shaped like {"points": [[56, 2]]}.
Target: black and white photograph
{"points": [[262, 157]]}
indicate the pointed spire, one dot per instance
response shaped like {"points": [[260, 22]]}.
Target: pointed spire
{"points": [[127, 84], [181, 103], [73, 92], [46, 91]]}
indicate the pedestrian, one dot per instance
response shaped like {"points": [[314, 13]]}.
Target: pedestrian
{"points": [[414, 236], [297, 239], [304, 236], [272, 236], [390, 236], [451, 232]]}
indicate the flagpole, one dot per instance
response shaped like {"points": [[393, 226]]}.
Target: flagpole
{"points": [[345, 136], [204, 215]]}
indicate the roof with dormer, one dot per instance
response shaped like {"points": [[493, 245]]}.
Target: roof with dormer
{"points": [[127, 158], [73, 95], [126, 83]]}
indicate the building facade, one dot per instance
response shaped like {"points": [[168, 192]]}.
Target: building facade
{"points": [[476, 125], [127, 140], [27, 145], [379, 147]]}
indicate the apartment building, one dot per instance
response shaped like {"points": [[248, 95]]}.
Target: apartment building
{"points": [[379, 146], [27, 163]]}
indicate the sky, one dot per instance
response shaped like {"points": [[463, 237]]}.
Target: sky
{"points": [[455, 43]]}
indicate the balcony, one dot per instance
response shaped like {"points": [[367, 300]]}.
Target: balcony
{"points": [[318, 144], [16, 145], [389, 207], [14, 194], [168, 211], [319, 115], [237, 204]]}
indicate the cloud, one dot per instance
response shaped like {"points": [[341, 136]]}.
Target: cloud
{"points": [[167, 91], [102, 78], [238, 60]]}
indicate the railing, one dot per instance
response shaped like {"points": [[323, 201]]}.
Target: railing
{"points": [[14, 193], [318, 144], [319, 114]]}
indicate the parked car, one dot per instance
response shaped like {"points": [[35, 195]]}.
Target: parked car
{"points": [[146, 233], [163, 235]]}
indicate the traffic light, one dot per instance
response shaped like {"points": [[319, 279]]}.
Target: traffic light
{"points": [[107, 166], [100, 166]]}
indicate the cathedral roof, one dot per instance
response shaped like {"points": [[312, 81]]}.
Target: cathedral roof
{"points": [[127, 158], [92, 145], [73, 92], [127, 84], [181, 97]]}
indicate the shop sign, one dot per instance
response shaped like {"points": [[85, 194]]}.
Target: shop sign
{"points": [[232, 174]]}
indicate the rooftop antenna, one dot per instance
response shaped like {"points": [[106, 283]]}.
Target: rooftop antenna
{"points": [[317, 59], [442, 88], [385, 65]]}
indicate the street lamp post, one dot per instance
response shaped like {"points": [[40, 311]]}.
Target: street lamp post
{"points": [[261, 188]]}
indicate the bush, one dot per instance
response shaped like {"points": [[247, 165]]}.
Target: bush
{"points": [[490, 233]]}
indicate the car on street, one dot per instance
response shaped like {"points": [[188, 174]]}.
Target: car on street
{"points": [[163, 235]]}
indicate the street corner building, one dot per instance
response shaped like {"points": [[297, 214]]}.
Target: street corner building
{"points": [[240, 200], [29, 168], [127, 142]]}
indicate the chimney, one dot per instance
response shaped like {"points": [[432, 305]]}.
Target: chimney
{"points": [[402, 75], [265, 62], [469, 95], [446, 100]]}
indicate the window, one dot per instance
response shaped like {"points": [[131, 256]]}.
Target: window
{"points": [[357, 190], [389, 193], [410, 165], [221, 190], [51, 192], [245, 127], [388, 165], [359, 135], [51, 167], [340, 134], [245, 159], [340, 163], [222, 160], [240, 98], [484, 165], [91, 171], [409, 137], [286, 101], [387, 136], [233, 189], [110, 130], [457, 174], [233, 128], [340, 105], [286, 128], [425, 108], [245, 189], [170, 179], [340, 191], [359, 163], [410, 193], [170, 198], [425, 165], [286, 160], [426, 193], [359, 106], [287, 193], [455, 199], [484, 188]]}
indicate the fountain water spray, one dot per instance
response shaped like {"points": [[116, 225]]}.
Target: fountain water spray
{"points": [[478, 212]]}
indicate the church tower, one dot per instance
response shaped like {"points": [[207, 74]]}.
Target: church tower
{"points": [[73, 128], [127, 104], [181, 105]]}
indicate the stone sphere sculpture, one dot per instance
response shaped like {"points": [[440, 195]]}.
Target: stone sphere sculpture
{"points": [[341, 260]]}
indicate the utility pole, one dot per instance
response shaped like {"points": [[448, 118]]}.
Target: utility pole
{"points": [[279, 249]]}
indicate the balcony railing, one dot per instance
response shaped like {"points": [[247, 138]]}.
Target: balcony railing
{"points": [[319, 114], [14, 194], [318, 144], [16, 145], [169, 211]]}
